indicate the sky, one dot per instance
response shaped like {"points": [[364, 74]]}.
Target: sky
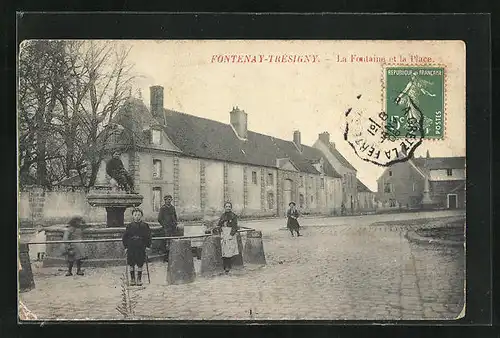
{"points": [[307, 96]]}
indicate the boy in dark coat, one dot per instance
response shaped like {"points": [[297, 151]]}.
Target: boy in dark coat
{"points": [[136, 238], [116, 170], [167, 217]]}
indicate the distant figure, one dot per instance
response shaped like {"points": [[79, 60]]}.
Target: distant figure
{"points": [[74, 252], [116, 170], [136, 238], [292, 222], [167, 217], [342, 209], [228, 225]]}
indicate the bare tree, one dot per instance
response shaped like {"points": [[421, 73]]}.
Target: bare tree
{"points": [[100, 83], [40, 81], [70, 90]]}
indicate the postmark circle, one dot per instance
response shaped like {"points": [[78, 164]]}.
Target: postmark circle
{"points": [[377, 140]]}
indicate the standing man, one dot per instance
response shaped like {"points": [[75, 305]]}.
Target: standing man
{"points": [[167, 217]]}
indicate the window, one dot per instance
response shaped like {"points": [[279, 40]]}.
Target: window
{"points": [[301, 201], [254, 177], [156, 198], [449, 172], [387, 188], [390, 172], [270, 200], [270, 179], [322, 183], [414, 185], [310, 181], [156, 169], [312, 198], [301, 181], [155, 136]]}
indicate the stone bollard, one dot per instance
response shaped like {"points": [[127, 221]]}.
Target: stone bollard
{"points": [[211, 256], [180, 269], [254, 249], [238, 259], [26, 281]]}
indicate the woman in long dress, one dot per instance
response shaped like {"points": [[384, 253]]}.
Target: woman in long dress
{"points": [[75, 252], [228, 225], [292, 222]]}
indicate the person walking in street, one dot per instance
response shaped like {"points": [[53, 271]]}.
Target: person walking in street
{"points": [[167, 217], [136, 238], [228, 225], [292, 222], [74, 252]]}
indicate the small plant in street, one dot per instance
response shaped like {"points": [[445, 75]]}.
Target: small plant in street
{"points": [[128, 303]]}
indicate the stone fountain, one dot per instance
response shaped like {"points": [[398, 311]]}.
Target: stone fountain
{"points": [[109, 253]]}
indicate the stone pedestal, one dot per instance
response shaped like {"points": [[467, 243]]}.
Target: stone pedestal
{"points": [[180, 269], [115, 217], [26, 281], [254, 249], [211, 256]]}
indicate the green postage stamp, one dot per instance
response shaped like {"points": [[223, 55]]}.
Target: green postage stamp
{"points": [[415, 96]]}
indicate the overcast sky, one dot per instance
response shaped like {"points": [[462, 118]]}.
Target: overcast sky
{"points": [[282, 97]]}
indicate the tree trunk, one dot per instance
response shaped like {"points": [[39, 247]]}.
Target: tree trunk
{"points": [[41, 140]]}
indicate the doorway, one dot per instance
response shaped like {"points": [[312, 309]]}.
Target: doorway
{"points": [[452, 201]]}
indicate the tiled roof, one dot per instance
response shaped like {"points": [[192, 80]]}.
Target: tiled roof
{"points": [[440, 162], [362, 187], [199, 137]]}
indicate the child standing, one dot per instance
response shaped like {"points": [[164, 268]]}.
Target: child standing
{"points": [[75, 252], [136, 238]]}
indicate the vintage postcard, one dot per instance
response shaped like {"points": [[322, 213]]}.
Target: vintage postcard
{"points": [[241, 180]]}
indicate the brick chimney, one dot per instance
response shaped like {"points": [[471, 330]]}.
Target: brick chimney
{"points": [[296, 140], [324, 137], [238, 119], [156, 101]]}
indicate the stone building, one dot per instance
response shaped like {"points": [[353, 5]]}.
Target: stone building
{"points": [[434, 182], [355, 195], [202, 163]]}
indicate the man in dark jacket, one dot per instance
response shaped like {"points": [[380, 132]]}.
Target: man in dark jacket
{"points": [[167, 217], [136, 238], [116, 170]]}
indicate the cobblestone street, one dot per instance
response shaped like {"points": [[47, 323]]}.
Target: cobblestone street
{"points": [[335, 272]]}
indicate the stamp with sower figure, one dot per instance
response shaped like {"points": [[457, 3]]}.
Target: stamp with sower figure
{"points": [[413, 93]]}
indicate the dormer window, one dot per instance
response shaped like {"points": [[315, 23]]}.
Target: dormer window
{"points": [[155, 136]]}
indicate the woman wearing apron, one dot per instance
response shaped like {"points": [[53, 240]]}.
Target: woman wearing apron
{"points": [[228, 224]]}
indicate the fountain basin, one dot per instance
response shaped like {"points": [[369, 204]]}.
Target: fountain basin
{"points": [[100, 254], [115, 204], [116, 200]]}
